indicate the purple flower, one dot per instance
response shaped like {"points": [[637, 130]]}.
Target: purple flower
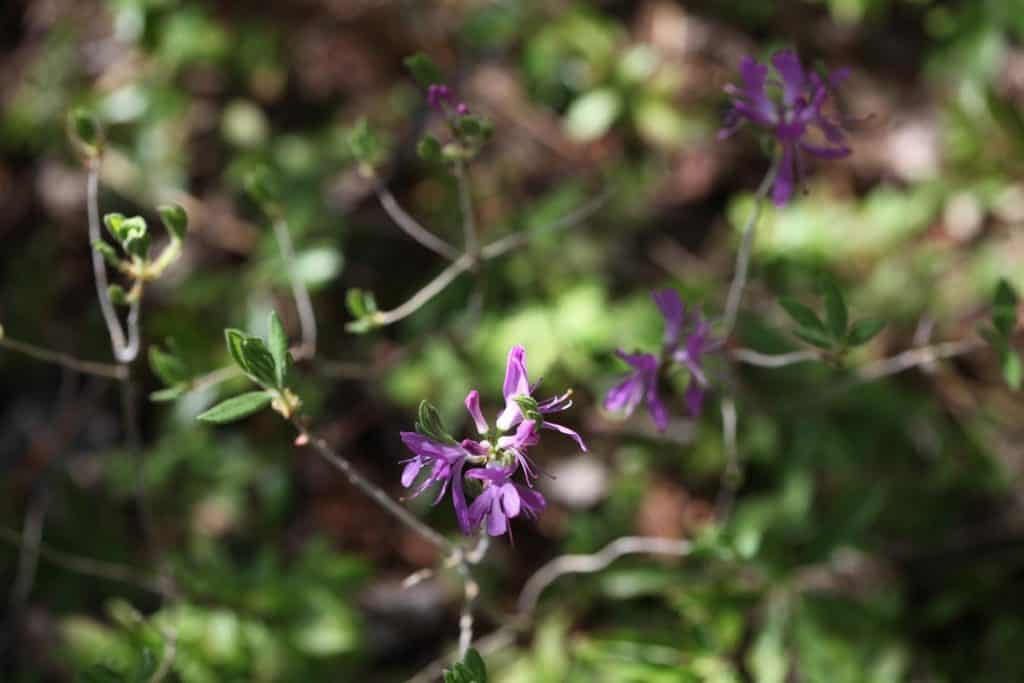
{"points": [[448, 461], [789, 115], [641, 385], [441, 99], [519, 393], [501, 500], [498, 454]]}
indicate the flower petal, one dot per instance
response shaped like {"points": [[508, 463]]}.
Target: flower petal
{"points": [[788, 65], [497, 524], [410, 471], [510, 500], [673, 310], [516, 381], [562, 429], [473, 406], [694, 397], [657, 410], [782, 190]]}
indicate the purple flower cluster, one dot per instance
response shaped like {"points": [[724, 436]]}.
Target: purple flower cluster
{"points": [[789, 110], [441, 98], [494, 459], [641, 385]]}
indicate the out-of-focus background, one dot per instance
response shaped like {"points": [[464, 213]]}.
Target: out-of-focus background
{"points": [[878, 527]]}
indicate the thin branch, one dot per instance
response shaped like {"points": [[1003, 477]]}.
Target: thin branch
{"points": [[28, 558], [490, 251], [488, 645], [428, 292], [731, 473], [471, 590], [914, 357], [411, 227], [88, 566], [123, 350], [170, 652], [377, 494], [588, 564], [570, 220], [774, 360], [739, 281], [303, 304], [64, 360]]}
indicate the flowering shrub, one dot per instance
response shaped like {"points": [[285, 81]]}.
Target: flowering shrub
{"points": [[542, 260]]}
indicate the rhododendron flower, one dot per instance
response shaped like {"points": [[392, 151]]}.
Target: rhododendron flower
{"points": [[498, 454], [447, 461], [790, 110], [641, 385], [501, 500]]}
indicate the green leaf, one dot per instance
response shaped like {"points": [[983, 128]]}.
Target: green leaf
{"points": [[235, 339], [1013, 373], [814, 337], [423, 69], [1004, 308], [474, 663], [262, 186], [174, 219], [864, 331], [117, 295], [108, 252], [236, 408], [429, 149], [277, 341], [114, 221], [168, 394], [475, 128], [836, 313], [592, 114], [430, 424], [802, 315], [364, 143], [85, 131], [167, 366], [259, 362]]}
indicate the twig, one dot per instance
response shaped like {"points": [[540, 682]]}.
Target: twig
{"points": [[88, 566], [471, 589], [587, 564], [487, 645], [124, 351], [774, 360], [28, 559], [307, 317], [411, 227], [170, 652], [64, 360], [428, 292], [377, 494], [731, 473], [490, 251], [914, 357], [739, 281], [520, 239]]}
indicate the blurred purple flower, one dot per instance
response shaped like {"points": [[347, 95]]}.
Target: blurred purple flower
{"points": [[789, 115], [441, 99], [501, 500], [448, 461], [641, 385]]}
